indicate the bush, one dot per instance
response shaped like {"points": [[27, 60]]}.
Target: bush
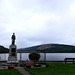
{"points": [[35, 56]]}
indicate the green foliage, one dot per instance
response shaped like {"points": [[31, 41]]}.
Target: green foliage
{"points": [[3, 49], [35, 56], [10, 72], [55, 68]]}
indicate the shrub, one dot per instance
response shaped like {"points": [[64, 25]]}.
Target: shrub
{"points": [[34, 56]]}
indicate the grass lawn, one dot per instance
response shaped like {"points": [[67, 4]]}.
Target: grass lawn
{"points": [[10, 72], [55, 68]]}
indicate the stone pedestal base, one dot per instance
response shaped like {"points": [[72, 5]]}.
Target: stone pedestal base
{"points": [[12, 54]]}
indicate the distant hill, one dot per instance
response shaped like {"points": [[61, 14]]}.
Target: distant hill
{"points": [[3, 49], [50, 48]]}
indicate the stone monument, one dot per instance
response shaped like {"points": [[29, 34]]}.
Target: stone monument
{"points": [[12, 51]]}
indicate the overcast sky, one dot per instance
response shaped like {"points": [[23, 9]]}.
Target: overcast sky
{"points": [[37, 22]]}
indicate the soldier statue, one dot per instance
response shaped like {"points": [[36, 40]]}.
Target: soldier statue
{"points": [[13, 39]]}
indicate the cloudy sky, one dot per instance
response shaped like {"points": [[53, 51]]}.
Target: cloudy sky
{"points": [[37, 22]]}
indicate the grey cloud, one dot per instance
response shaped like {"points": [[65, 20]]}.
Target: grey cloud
{"points": [[37, 22]]}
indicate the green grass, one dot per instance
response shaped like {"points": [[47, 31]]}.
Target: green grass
{"points": [[10, 72], [55, 68]]}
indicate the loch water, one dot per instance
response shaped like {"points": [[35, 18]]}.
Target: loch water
{"points": [[49, 56]]}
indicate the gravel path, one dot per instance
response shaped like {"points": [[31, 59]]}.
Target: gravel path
{"points": [[22, 70]]}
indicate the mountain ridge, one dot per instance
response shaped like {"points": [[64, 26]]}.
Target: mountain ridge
{"points": [[3, 49], [50, 48]]}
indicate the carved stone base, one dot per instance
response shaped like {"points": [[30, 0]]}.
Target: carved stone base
{"points": [[12, 54]]}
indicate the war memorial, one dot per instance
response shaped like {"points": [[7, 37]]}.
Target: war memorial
{"points": [[12, 51]]}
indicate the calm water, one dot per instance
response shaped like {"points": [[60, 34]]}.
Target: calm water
{"points": [[49, 56]]}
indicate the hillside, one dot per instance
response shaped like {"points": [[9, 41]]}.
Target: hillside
{"points": [[3, 49], [50, 48]]}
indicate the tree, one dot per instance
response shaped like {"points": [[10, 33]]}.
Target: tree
{"points": [[35, 56]]}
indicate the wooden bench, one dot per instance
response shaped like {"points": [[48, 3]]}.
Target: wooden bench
{"points": [[69, 60]]}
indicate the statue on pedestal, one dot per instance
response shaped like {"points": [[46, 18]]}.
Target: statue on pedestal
{"points": [[12, 51], [13, 39]]}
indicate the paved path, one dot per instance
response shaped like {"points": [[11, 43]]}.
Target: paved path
{"points": [[22, 70]]}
